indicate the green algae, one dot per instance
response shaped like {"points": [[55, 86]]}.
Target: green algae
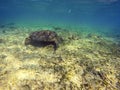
{"points": [[83, 61]]}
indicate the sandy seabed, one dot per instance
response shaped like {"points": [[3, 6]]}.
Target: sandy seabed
{"points": [[83, 61]]}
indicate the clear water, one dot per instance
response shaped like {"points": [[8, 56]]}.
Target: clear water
{"points": [[95, 13]]}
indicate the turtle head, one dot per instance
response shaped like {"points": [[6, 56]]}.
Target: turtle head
{"points": [[27, 41]]}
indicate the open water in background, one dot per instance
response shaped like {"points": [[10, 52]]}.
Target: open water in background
{"points": [[91, 13]]}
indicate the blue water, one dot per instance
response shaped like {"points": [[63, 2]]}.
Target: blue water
{"points": [[95, 13]]}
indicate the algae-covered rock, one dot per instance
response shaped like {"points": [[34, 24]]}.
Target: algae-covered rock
{"points": [[43, 38]]}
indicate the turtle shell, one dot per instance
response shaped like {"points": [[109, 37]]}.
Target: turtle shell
{"points": [[43, 38], [44, 35]]}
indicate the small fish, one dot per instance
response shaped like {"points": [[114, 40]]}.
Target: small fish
{"points": [[69, 11]]}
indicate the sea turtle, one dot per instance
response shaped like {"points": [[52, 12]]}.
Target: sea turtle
{"points": [[43, 38]]}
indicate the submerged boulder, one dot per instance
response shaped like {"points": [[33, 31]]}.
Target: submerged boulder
{"points": [[43, 38]]}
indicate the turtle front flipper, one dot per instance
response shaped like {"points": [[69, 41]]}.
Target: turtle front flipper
{"points": [[56, 45]]}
